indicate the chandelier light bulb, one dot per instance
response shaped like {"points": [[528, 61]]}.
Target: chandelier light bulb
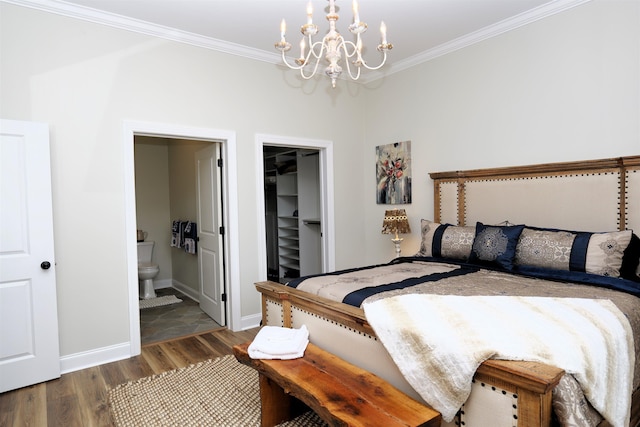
{"points": [[309, 13], [333, 47], [356, 16]]}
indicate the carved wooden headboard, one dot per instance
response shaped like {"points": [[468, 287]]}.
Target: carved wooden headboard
{"points": [[592, 195]]}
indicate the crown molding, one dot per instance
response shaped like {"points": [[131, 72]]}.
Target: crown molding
{"points": [[494, 30], [142, 27]]}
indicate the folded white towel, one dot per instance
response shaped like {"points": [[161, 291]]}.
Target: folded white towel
{"points": [[275, 342]]}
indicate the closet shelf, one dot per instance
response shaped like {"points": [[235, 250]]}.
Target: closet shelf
{"points": [[294, 257], [290, 265], [289, 237], [289, 246]]}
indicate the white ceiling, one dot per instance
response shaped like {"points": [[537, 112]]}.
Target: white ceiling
{"points": [[419, 29]]}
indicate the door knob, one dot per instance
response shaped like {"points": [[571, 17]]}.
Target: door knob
{"points": [[45, 265]]}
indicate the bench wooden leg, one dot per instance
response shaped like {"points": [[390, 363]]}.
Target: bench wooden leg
{"points": [[276, 405]]}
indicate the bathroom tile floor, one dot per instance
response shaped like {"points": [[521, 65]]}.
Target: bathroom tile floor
{"points": [[175, 320]]}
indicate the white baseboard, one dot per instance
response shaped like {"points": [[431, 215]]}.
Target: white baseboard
{"points": [[162, 284], [251, 321], [113, 353], [188, 291], [99, 356]]}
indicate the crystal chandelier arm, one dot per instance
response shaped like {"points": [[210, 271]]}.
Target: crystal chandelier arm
{"points": [[312, 50], [303, 62], [359, 61], [300, 67], [345, 45], [384, 59], [308, 58], [383, 47], [293, 67]]}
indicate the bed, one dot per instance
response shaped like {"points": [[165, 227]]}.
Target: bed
{"points": [[584, 211]]}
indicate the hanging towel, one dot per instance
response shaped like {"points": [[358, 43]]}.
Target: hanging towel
{"points": [[175, 234], [183, 226], [275, 342], [191, 238]]}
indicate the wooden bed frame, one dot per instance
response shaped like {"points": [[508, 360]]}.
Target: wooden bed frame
{"points": [[505, 393]]}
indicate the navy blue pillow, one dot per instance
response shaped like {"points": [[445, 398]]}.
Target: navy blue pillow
{"points": [[495, 246], [630, 260]]}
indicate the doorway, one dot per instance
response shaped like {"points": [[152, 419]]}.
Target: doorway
{"points": [[292, 212], [304, 232], [227, 142], [174, 207]]}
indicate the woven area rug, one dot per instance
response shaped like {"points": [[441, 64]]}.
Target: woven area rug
{"points": [[219, 392], [160, 301]]}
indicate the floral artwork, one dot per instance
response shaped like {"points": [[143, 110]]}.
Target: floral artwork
{"points": [[393, 173]]}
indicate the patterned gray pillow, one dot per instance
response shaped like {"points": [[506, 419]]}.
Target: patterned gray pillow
{"points": [[445, 240], [595, 253], [427, 229], [544, 249], [605, 251], [571, 406], [457, 241]]}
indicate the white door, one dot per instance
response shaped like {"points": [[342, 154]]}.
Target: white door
{"points": [[29, 350], [210, 255]]}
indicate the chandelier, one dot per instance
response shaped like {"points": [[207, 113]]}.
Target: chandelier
{"points": [[332, 46]]}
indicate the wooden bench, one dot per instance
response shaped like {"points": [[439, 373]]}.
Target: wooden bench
{"points": [[340, 393]]}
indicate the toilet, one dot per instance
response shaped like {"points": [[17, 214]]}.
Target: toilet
{"points": [[146, 270]]}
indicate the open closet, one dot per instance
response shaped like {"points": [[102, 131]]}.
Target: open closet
{"points": [[292, 212]]}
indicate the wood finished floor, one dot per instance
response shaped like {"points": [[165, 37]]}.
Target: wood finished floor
{"points": [[80, 398]]}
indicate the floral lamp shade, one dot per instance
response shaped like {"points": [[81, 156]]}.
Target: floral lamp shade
{"points": [[395, 221]]}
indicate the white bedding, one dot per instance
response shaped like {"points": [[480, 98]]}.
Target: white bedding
{"points": [[588, 338]]}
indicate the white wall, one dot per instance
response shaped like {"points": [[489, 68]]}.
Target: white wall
{"points": [[560, 89], [86, 79], [153, 199]]}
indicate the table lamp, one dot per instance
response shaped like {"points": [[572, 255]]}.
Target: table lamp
{"points": [[395, 222]]}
